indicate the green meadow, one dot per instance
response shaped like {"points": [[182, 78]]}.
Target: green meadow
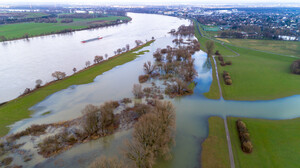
{"points": [[18, 30], [275, 143]]}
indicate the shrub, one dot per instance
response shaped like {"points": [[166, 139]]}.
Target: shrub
{"points": [[137, 91], [228, 63], [295, 67], [142, 109], [247, 146], [126, 100], [104, 162], [217, 53], [7, 161], [143, 78], [228, 82], [220, 58], [164, 51], [227, 77], [244, 136], [34, 130], [223, 63], [225, 73]]}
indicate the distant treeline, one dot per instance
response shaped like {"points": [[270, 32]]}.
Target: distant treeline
{"points": [[10, 20]]}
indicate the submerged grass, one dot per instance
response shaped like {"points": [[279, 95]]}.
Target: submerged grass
{"points": [[275, 143], [18, 108], [214, 149]]}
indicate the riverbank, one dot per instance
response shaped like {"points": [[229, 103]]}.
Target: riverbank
{"points": [[31, 29], [275, 143], [214, 149], [18, 109], [256, 75]]}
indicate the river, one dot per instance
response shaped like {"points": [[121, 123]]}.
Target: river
{"points": [[192, 112], [25, 61]]}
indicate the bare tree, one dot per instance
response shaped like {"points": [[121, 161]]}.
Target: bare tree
{"points": [[119, 51], [87, 63], [157, 55], [106, 56], [153, 136], [149, 68], [137, 91], [210, 45], [98, 59], [127, 47], [58, 75], [74, 70], [91, 119], [138, 42], [38, 83], [107, 117]]}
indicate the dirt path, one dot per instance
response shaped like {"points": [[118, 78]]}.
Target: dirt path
{"points": [[232, 165], [217, 75]]}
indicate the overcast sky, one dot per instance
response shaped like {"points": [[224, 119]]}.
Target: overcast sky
{"points": [[155, 1]]}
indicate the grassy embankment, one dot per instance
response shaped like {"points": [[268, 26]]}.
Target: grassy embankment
{"points": [[214, 148], [17, 109], [15, 31], [275, 143], [256, 75]]}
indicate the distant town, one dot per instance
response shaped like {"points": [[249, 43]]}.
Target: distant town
{"points": [[247, 23]]}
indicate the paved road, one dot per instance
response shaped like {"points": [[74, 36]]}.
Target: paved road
{"points": [[232, 165]]}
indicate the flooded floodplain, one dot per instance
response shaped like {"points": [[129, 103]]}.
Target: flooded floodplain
{"points": [[192, 112]]}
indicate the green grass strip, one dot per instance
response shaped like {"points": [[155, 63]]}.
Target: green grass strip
{"points": [[214, 148]]}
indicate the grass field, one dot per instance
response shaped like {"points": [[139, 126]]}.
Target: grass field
{"points": [[275, 46], [275, 143], [214, 149], [15, 31], [256, 75], [17, 109]]}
